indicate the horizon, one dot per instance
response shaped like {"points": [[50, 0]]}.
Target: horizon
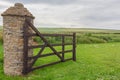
{"points": [[73, 28]]}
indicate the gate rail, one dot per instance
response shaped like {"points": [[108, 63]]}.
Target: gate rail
{"points": [[28, 68]]}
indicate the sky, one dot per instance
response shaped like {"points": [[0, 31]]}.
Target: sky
{"points": [[103, 14]]}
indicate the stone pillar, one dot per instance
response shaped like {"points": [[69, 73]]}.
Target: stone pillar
{"points": [[13, 20]]}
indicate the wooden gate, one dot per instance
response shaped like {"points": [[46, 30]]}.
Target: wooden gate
{"points": [[29, 67]]}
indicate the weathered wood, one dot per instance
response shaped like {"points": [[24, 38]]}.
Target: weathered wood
{"points": [[49, 54], [25, 50], [42, 66], [40, 46], [52, 35], [63, 48], [74, 46]]}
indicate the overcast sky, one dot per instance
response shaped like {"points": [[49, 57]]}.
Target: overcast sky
{"points": [[71, 13]]}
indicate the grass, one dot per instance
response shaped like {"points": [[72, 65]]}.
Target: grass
{"points": [[94, 62]]}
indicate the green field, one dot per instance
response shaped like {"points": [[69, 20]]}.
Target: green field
{"points": [[98, 57], [94, 62]]}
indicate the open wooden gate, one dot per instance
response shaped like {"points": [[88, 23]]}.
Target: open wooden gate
{"points": [[29, 67]]}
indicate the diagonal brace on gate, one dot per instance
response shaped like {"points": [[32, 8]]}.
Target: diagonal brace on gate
{"points": [[44, 40]]}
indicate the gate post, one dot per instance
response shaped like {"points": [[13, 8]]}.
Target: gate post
{"points": [[13, 22]]}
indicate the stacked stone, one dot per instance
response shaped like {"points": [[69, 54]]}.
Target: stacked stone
{"points": [[13, 21]]}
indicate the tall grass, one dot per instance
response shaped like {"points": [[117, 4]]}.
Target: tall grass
{"points": [[97, 37], [83, 37]]}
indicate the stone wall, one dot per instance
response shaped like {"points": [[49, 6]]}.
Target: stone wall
{"points": [[13, 21]]}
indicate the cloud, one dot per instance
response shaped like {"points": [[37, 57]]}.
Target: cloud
{"points": [[3, 6], [73, 13], [50, 2], [57, 15], [5, 3]]}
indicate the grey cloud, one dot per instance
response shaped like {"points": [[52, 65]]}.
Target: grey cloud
{"points": [[78, 13], [1, 7], [52, 2]]}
